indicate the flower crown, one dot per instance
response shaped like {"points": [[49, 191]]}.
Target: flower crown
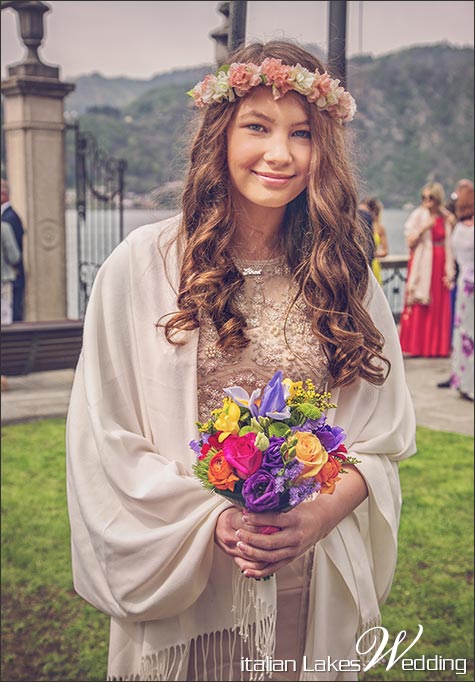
{"points": [[237, 79]]}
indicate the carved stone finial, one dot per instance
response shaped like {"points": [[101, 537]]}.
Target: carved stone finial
{"points": [[30, 14]]}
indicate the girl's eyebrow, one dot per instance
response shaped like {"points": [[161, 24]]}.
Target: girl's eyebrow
{"points": [[259, 114]]}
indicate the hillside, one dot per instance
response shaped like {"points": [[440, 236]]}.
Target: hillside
{"points": [[96, 90], [414, 121]]}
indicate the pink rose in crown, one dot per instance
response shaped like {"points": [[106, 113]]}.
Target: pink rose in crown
{"points": [[278, 74], [243, 77], [242, 454], [321, 87]]}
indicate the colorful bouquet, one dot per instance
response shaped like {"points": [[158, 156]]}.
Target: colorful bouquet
{"points": [[272, 451]]}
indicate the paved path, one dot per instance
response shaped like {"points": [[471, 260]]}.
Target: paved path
{"points": [[46, 394]]}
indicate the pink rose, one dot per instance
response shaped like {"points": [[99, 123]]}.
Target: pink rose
{"points": [[278, 74], [320, 88], [243, 77], [241, 453]]}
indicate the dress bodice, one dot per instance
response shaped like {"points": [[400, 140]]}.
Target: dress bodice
{"points": [[280, 338], [438, 230]]}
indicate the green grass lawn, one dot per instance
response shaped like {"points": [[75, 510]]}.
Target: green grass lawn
{"points": [[49, 633]]}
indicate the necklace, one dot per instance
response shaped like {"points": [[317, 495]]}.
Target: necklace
{"points": [[251, 271], [269, 266]]}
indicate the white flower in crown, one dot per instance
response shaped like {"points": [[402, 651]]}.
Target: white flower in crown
{"points": [[336, 91], [221, 88], [302, 79]]}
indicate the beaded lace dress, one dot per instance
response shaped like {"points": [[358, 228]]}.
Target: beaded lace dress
{"points": [[280, 339]]}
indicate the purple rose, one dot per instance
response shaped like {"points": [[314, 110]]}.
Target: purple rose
{"points": [[272, 459], [330, 436], [259, 492]]}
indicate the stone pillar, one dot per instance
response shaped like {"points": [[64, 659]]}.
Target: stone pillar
{"points": [[34, 129]]}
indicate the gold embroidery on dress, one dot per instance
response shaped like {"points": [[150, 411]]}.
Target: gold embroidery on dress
{"points": [[279, 338]]}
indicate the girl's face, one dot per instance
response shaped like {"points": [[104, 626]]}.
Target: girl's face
{"points": [[269, 149]]}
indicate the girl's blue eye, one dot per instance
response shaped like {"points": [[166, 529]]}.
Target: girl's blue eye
{"points": [[256, 127], [303, 133]]}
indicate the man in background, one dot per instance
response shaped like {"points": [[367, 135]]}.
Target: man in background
{"points": [[11, 217]]}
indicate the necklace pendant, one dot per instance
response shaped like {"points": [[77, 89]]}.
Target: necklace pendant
{"points": [[251, 271]]}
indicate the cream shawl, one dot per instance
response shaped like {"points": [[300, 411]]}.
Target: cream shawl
{"points": [[142, 527], [419, 279]]}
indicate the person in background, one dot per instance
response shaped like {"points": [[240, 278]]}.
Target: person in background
{"points": [[263, 269], [425, 321], [375, 207], [10, 216], [462, 187], [366, 220], [462, 244], [10, 256]]}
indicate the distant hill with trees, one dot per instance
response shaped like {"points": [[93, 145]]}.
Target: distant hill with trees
{"points": [[414, 121]]}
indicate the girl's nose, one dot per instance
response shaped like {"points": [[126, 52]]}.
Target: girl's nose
{"points": [[278, 150]]}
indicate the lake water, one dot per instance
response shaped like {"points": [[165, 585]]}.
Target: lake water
{"points": [[393, 220]]}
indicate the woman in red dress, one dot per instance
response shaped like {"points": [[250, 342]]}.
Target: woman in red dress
{"points": [[426, 318]]}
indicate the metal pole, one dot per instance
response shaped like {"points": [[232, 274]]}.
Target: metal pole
{"points": [[237, 24], [360, 29], [337, 40]]}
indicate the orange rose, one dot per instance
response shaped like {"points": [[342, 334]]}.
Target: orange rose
{"points": [[310, 452], [328, 475], [220, 473]]}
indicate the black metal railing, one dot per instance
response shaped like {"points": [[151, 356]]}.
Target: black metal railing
{"points": [[99, 203], [394, 275]]}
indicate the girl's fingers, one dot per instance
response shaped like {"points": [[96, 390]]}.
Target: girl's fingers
{"points": [[266, 556]]}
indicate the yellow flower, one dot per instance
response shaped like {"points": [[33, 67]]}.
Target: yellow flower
{"points": [[310, 452], [228, 419], [294, 387]]}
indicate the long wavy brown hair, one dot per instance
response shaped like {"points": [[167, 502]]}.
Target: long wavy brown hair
{"points": [[323, 240]]}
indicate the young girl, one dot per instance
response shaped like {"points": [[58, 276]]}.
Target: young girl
{"points": [[263, 270]]}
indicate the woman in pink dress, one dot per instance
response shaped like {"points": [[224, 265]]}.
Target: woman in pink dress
{"points": [[425, 321]]}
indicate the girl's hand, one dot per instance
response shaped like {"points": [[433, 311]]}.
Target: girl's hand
{"points": [[261, 554], [225, 535], [238, 532]]}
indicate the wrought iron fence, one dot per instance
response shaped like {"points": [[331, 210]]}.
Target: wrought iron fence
{"points": [[394, 275], [99, 181]]}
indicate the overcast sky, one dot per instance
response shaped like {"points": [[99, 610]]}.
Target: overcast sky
{"points": [[139, 39]]}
